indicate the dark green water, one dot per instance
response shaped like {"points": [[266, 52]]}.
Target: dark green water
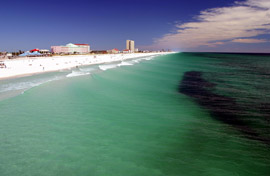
{"points": [[134, 121]]}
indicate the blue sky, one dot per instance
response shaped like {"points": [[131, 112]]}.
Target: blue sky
{"points": [[180, 25]]}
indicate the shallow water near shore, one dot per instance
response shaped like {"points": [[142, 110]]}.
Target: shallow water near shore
{"points": [[17, 85], [135, 120]]}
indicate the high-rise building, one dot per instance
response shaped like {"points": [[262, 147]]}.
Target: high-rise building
{"points": [[130, 45]]}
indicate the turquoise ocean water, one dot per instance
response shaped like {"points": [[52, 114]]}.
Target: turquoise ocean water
{"points": [[175, 115]]}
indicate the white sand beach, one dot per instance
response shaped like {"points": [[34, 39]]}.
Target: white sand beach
{"points": [[29, 66]]}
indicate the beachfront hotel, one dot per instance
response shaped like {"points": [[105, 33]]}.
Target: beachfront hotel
{"points": [[71, 48], [130, 45]]}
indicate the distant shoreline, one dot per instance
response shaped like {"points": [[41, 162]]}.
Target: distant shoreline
{"points": [[36, 65]]}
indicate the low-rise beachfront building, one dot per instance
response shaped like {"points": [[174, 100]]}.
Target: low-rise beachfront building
{"points": [[113, 51], [99, 52], [126, 51], [44, 51], [71, 49], [33, 50]]}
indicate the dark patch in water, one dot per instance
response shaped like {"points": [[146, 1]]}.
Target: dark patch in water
{"points": [[221, 107]]}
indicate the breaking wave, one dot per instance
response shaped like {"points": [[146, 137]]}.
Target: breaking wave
{"points": [[77, 73], [108, 66], [24, 85], [20, 85], [125, 64]]}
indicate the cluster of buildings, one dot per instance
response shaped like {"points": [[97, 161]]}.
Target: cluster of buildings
{"points": [[74, 49], [130, 48], [66, 49], [85, 48]]}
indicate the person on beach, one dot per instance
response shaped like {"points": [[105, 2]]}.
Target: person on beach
{"points": [[3, 65]]}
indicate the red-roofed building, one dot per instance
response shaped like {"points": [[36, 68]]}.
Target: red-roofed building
{"points": [[126, 51], [85, 46], [33, 50], [113, 51]]}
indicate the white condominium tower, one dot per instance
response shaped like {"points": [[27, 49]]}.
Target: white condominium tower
{"points": [[130, 45]]}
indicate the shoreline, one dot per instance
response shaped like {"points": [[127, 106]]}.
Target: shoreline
{"points": [[24, 67]]}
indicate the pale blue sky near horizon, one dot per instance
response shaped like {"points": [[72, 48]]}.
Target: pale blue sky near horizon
{"points": [[209, 25]]}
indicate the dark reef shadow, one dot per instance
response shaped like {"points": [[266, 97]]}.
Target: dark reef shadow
{"points": [[222, 108]]}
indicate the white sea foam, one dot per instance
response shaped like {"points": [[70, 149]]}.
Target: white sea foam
{"points": [[137, 60], [89, 69], [30, 66], [24, 85], [106, 67], [125, 64], [149, 58], [77, 73]]}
